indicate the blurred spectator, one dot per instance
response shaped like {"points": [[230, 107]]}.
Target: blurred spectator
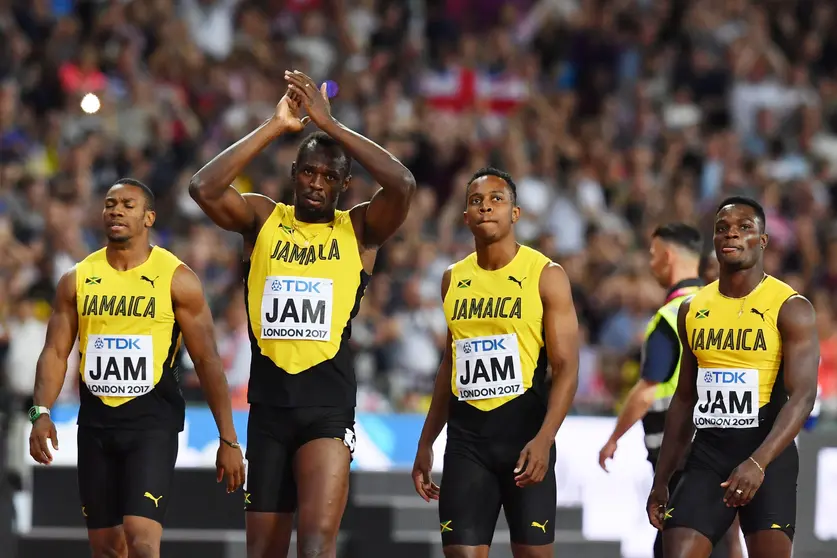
{"points": [[419, 341], [614, 116], [25, 329], [234, 345]]}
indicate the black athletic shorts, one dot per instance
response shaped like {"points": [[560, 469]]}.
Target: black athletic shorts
{"points": [[698, 502], [477, 480], [124, 472], [274, 434]]}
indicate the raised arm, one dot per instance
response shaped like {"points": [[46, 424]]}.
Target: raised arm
{"points": [[52, 365], [437, 416], [378, 219], [560, 325], [679, 425], [801, 354], [211, 187], [192, 315]]}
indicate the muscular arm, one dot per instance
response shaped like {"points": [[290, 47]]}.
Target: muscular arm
{"points": [[437, 415], [380, 217], [60, 338], [801, 349], [561, 330], [195, 320], [211, 187], [679, 425]]}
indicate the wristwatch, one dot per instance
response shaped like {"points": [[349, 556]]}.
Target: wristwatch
{"points": [[36, 411]]}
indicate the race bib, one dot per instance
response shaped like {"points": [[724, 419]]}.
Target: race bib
{"points": [[727, 398], [488, 367], [119, 365], [297, 308]]}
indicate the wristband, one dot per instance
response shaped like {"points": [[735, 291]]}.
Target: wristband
{"points": [[233, 445], [36, 412]]}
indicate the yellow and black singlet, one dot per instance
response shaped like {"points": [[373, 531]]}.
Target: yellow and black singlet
{"points": [[129, 344], [740, 384], [305, 282], [499, 354]]}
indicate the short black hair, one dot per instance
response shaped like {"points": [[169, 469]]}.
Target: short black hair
{"points": [[681, 235], [146, 191], [750, 202], [321, 139], [503, 175]]}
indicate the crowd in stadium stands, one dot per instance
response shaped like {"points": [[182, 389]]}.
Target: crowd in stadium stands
{"points": [[613, 116]]}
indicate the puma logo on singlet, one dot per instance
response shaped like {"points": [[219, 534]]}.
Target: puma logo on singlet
{"points": [[519, 282], [541, 526], [144, 278], [757, 313], [153, 499]]}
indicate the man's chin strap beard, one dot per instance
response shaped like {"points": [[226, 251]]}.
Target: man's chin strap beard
{"points": [[120, 241], [324, 215]]}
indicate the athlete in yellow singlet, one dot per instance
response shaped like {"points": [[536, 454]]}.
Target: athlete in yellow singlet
{"points": [[510, 316], [308, 267], [748, 381], [131, 305]]}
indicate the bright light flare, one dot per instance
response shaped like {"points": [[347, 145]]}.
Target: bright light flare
{"points": [[91, 103]]}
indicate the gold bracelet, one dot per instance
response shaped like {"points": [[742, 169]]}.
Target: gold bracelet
{"points": [[757, 465]]}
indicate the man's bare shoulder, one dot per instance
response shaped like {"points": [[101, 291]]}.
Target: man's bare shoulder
{"points": [[260, 201]]}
